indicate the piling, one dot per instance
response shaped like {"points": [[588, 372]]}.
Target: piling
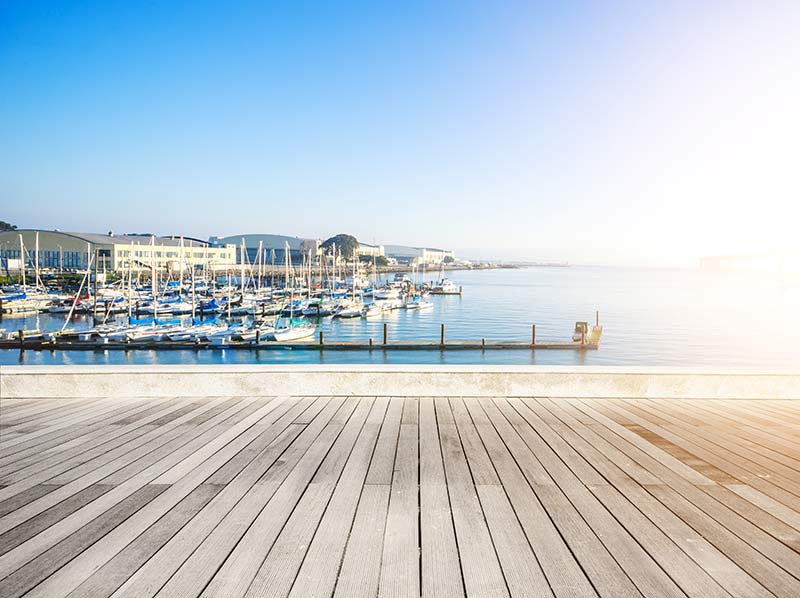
{"points": [[321, 337], [597, 318], [385, 333], [533, 334], [21, 335], [441, 341], [258, 336]]}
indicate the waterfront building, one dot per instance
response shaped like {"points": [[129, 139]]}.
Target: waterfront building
{"points": [[268, 244], [59, 250], [417, 255], [365, 249]]}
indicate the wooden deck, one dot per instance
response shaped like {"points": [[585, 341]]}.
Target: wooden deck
{"points": [[364, 496]]}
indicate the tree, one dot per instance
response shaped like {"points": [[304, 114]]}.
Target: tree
{"points": [[347, 245], [5, 226], [448, 259], [308, 247], [380, 260]]}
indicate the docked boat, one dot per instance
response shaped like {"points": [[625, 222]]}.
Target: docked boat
{"points": [[293, 331], [446, 287], [371, 311]]}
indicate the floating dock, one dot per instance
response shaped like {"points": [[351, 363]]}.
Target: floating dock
{"points": [[590, 342]]}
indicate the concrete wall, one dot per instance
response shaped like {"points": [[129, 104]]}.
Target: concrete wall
{"points": [[467, 381]]}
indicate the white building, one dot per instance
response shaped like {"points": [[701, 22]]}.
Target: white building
{"points": [[370, 250], [417, 255], [72, 251]]}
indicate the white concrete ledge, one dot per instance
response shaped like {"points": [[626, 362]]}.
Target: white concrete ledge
{"points": [[395, 380]]}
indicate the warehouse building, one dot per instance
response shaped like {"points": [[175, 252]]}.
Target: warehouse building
{"points": [[68, 251], [417, 255], [272, 247]]}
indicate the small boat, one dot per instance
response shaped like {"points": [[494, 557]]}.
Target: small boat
{"points": [[295, 330], [445, 287], [353, 309], [372, 310]]}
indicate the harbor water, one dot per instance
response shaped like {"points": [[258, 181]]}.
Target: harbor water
{"points": [[651, 317]]}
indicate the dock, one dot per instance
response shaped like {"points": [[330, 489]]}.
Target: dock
{"points": [[590, 342], [259, 481]]}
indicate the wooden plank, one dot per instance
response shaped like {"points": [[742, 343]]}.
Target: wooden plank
{"points": [[192, 556], [317, 574], [714, 564], [521, 569], [382, 466], [277, 573], [91, 475], [220, 446], [81, 441], [441, 570], [112, 461], [645, 572], [400, 566], [711, 515], [563, 573], [113, 574], [26, 578], [359, 575], [242, 564], [480, 565]]}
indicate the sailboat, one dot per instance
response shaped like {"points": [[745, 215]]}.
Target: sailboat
{"points": [[288, 328]]}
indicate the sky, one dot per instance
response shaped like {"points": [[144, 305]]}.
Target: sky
{"points": [[645, 133]]}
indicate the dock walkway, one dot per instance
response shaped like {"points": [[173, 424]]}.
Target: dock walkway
{"points": [[399, 496]]}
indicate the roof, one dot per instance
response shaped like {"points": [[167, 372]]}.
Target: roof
{"points": [[268, 241], [106, 239]]}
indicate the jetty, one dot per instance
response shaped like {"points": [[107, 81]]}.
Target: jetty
{"points": [[585, 341], [323, 481]]}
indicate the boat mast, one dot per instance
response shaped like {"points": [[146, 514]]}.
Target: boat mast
{"points": [[22, 263]]}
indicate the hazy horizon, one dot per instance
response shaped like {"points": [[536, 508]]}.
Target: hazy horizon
{"points": [[633, 134]]}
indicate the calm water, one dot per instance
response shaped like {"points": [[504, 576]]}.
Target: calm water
{"points": [[650, 317]]}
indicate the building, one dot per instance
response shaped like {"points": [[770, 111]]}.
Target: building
{"points": [[59, 250], [370, 250], [273, 247], [417, 255]]}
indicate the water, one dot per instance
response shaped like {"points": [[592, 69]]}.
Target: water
{"points": [[650, 317]]}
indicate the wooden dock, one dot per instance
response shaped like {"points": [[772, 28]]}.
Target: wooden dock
{"points": [[591, 342], [399, 496]]}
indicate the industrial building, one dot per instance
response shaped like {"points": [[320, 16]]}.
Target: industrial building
{"points": [[57, 250], [370, 250], [273, 247], [417, 255]]}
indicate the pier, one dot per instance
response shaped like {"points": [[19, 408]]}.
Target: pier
{"points": [[406, 481], [591, 341]]}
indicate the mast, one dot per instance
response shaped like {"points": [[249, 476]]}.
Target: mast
{"points": [[22, 263], [36, 259], [153, 282]]}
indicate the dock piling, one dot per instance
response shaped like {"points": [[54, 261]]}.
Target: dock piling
{"points": [[533, 334], [385, 333], [441, 342], [321, 337]]}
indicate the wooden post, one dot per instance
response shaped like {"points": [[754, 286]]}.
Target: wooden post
{"points": [[321, 337], [483, 344], [370, 342], [533, 334], [597, 318], [21, 335], [441, 341], [258, 336], [385, 332]]}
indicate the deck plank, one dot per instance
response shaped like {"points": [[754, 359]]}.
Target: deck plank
{"points": [[399, 496]]}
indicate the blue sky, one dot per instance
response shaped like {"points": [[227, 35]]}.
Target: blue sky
{"points": [[624, 132]]}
